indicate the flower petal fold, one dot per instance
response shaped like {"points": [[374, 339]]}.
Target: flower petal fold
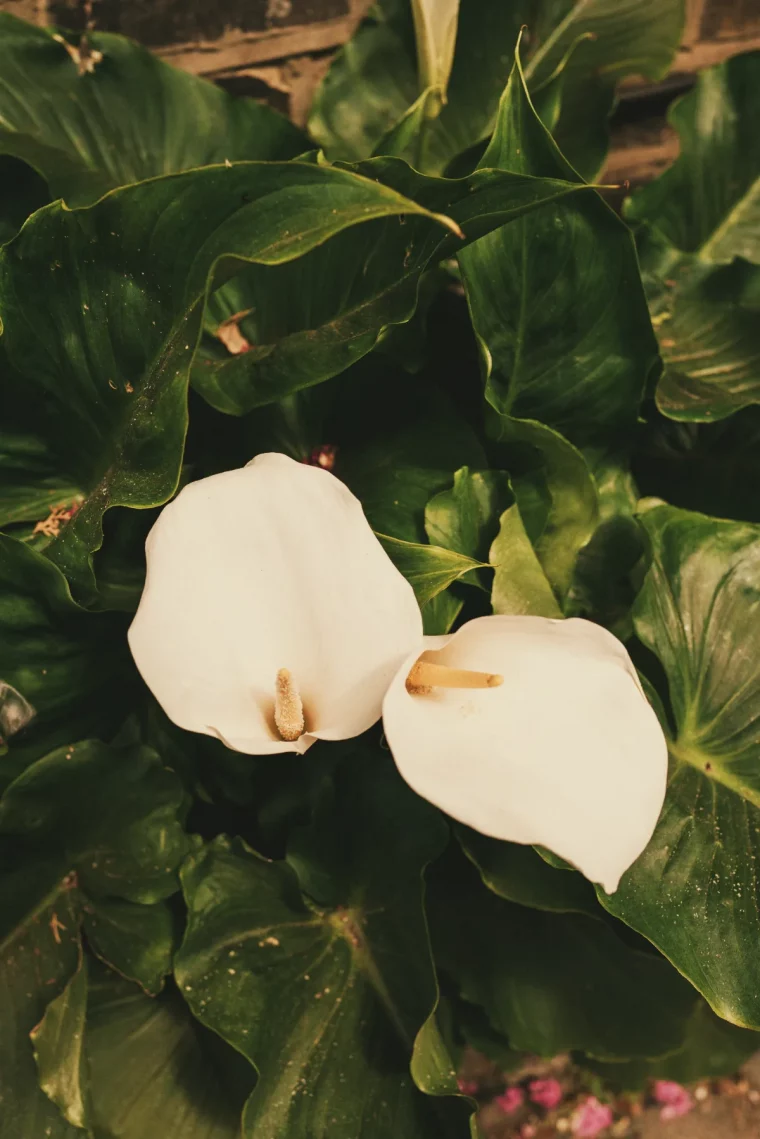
{"points": [[262, 569], [567, 753]]}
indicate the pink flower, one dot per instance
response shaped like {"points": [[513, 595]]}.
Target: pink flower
{"points": [[591, 1118], [676, 1099], [510, 1099], [467, 1087], [547, 1093]]}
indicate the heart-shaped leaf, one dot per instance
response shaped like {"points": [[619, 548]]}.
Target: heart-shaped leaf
{"points": [[692, 891], [323, 994]]}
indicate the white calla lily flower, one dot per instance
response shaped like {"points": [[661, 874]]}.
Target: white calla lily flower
{"points": [[536, 731], [271, 615]]}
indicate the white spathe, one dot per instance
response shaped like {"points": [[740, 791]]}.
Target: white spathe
{"points": [[435, 27], [269, 567], [566, 754]]}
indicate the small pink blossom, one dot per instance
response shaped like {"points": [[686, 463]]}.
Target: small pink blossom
{"points": [[510, 1099], [591, 1118], [467, 1087], [676, 1099], [527, 1131], [546, 1093]]}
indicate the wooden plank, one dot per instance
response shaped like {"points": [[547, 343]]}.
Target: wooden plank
{"points": [[208, 38]]}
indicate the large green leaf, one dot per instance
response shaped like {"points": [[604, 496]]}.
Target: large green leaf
{"points": [[302, 322], [73, 667], [708, 202], [707, 322], [184, 1083], [556, 302], [693, 891], [128, 119], [36, 962], [553, 981], [323, 994], [108, 342]]}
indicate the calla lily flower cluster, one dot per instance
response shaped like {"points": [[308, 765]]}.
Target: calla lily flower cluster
{"points": [[272, 617]]}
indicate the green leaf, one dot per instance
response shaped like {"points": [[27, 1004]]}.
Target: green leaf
{"points": [[556, 301], [707, 322], [398, 444], [36, 962], [136, 940], [22, 191], [132, 117], [708, 202], [59, 1050], [609, 572], [300, 323], [520, 586], [520, 875], [108, 342], [428, 569], [553, 981], [112, 815], [440, 613], [712, 468], [692, 891], [712, 1048], [617, 38], [107, 821], [324, 995], [156, 1071], [466, 517], [555, 492], [372, 82], [369, 86], [73, 667]]}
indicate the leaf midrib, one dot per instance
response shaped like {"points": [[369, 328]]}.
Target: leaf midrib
{"points": [[685, 750]]}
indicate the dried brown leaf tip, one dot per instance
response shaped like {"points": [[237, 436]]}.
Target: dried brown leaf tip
{"points": [[50, 527], [83, 54], [230, 335]]}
